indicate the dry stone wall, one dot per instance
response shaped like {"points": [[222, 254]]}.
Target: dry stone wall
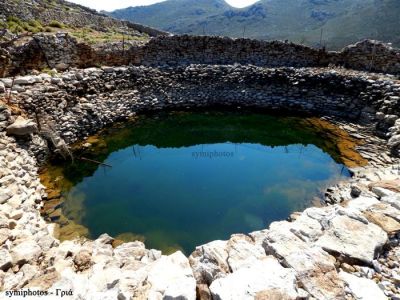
{"points": [[80, 102], [187, 49], [367, 55], [62, 51]]}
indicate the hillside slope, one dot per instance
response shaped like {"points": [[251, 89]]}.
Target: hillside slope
{"points": [[33, 16], [173, 15], [342, 21]]}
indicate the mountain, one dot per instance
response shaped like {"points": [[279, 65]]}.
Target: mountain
{"points": [[341, 22], [174, 15]]}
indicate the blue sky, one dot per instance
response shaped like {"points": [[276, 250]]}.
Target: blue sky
{"points": [[115, 4]]}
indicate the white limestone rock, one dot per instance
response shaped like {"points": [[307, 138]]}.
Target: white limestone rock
{"points": [[281, 242], [5, 194], [386, 209], [25, 80], [362, 288], [56, 80], [353, 238], [16, 214], [78, 283], [5, 234], [7, 82], [128, 251], [108, 69], [314, 267], [171, 277], [259, 236], [104, 239], [242, 251], [5, 260], [362, 203], [306, 228], [12, 280], [25, 252], [103, 278], [264, 277], [209, 261], [29, 272], [394, 141], [83, 260], [393, 200], [382, 192], [390, 225], [21, 127]]}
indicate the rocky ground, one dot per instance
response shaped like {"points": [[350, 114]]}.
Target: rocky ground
{"points": [[346, 250]]}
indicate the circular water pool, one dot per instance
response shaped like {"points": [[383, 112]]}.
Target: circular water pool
{"points": [[178, 180]]}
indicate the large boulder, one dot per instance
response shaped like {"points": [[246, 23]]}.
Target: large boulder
{"points": [[362, 203], [171, 277], [209, 261], [394, 141], [5, 194], [25, 252], [393, 200], [5, 234], [362, 288], [353, 239], [242, 251], [315, 269], [22, 127], [128, 251], [388, 224], [5, 260], [7, 82], [386, 209], [25, 80], [218, 258], [264, 278], [83, 260]]}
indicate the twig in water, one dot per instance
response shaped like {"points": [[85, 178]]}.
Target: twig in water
{"points": [[95, 161]]}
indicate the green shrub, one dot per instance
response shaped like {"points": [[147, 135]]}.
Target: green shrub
{"points": [[16, 25], [13, 19], [35, 23], [49, 71], [56, 24]]}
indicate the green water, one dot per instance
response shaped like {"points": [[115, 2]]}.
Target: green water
{"points": [[179, 180]]}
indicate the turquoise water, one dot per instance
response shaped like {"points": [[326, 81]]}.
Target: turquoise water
{"points": [[181, 180]]}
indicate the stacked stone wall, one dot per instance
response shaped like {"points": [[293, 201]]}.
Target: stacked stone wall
{"points": [[84, 101], [62, 51]]}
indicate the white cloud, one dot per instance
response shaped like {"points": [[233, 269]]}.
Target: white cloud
{"points": [[116, 4]]}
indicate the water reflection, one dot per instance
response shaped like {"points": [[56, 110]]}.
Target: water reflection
{"points": [[184, 180]]}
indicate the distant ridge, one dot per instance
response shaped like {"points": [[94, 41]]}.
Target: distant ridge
{"points": [[341, 22]]}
